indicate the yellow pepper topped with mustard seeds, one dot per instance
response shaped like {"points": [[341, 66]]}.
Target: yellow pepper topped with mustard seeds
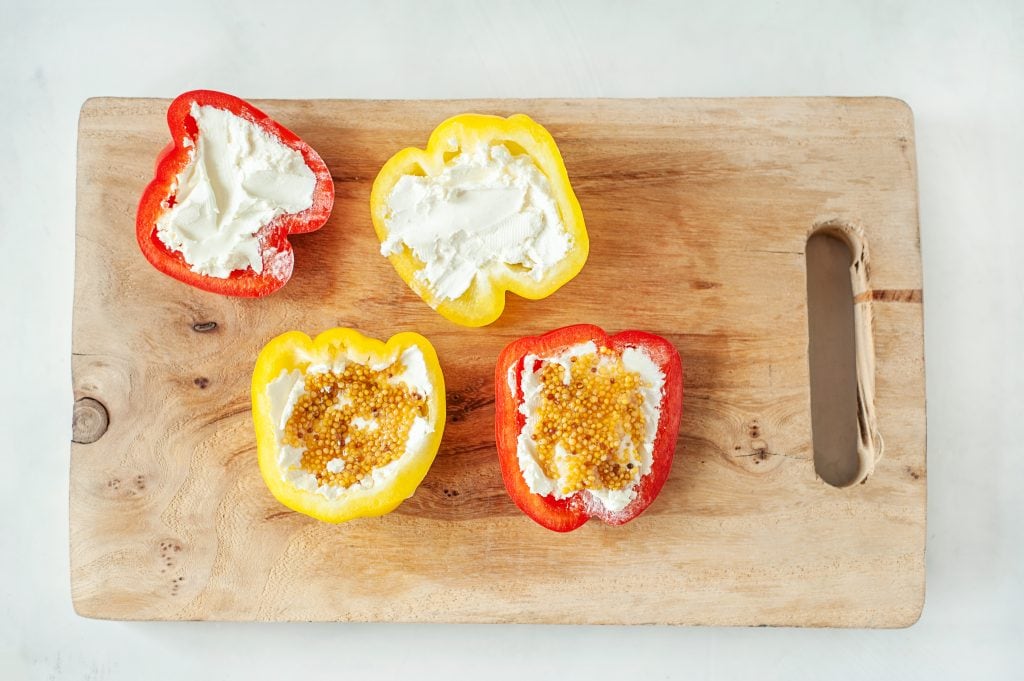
{"points": [[346, 426]]}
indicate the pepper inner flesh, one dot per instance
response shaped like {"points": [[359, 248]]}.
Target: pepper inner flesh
{"points": [[351, 422], [588, 429]]}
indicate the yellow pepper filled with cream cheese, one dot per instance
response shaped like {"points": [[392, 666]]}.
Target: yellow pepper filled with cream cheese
{"points": [[486, 208], [346, 426]]}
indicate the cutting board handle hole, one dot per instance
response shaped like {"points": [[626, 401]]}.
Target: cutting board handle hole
{"points": [[841, 355]]}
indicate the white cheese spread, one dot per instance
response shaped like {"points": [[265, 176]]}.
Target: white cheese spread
{"points": [[238, 179], [489, 210]]}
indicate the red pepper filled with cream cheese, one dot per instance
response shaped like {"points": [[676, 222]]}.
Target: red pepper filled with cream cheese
{"points": [[586, 423], [228, 190]]}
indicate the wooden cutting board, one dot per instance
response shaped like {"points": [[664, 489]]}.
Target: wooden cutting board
{"points": [[698, 213]]}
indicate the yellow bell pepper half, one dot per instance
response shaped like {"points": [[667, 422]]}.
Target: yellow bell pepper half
{"points": [[345, 401], [484, 301]]}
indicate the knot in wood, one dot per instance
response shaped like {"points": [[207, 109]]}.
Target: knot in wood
{"points": [[204, 327], [89, 421]]}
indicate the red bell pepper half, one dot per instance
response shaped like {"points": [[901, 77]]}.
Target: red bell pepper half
{"points": [[159, 195], [569, 513]]}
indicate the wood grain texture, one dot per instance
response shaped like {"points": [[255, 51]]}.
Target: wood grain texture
{"points": [[698, 212]]}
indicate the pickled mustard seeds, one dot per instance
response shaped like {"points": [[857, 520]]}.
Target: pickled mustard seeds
{"points": [[590, 417], [321, 422]]}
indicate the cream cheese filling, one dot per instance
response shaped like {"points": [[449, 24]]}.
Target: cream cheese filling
{"points": [[489, 211], [238, 179]]}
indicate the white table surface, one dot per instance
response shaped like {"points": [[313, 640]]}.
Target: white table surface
{"points": [[960, 65]]}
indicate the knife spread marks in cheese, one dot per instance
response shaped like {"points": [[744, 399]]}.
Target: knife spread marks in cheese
{"points": [[238, 179], [488, 210]]}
